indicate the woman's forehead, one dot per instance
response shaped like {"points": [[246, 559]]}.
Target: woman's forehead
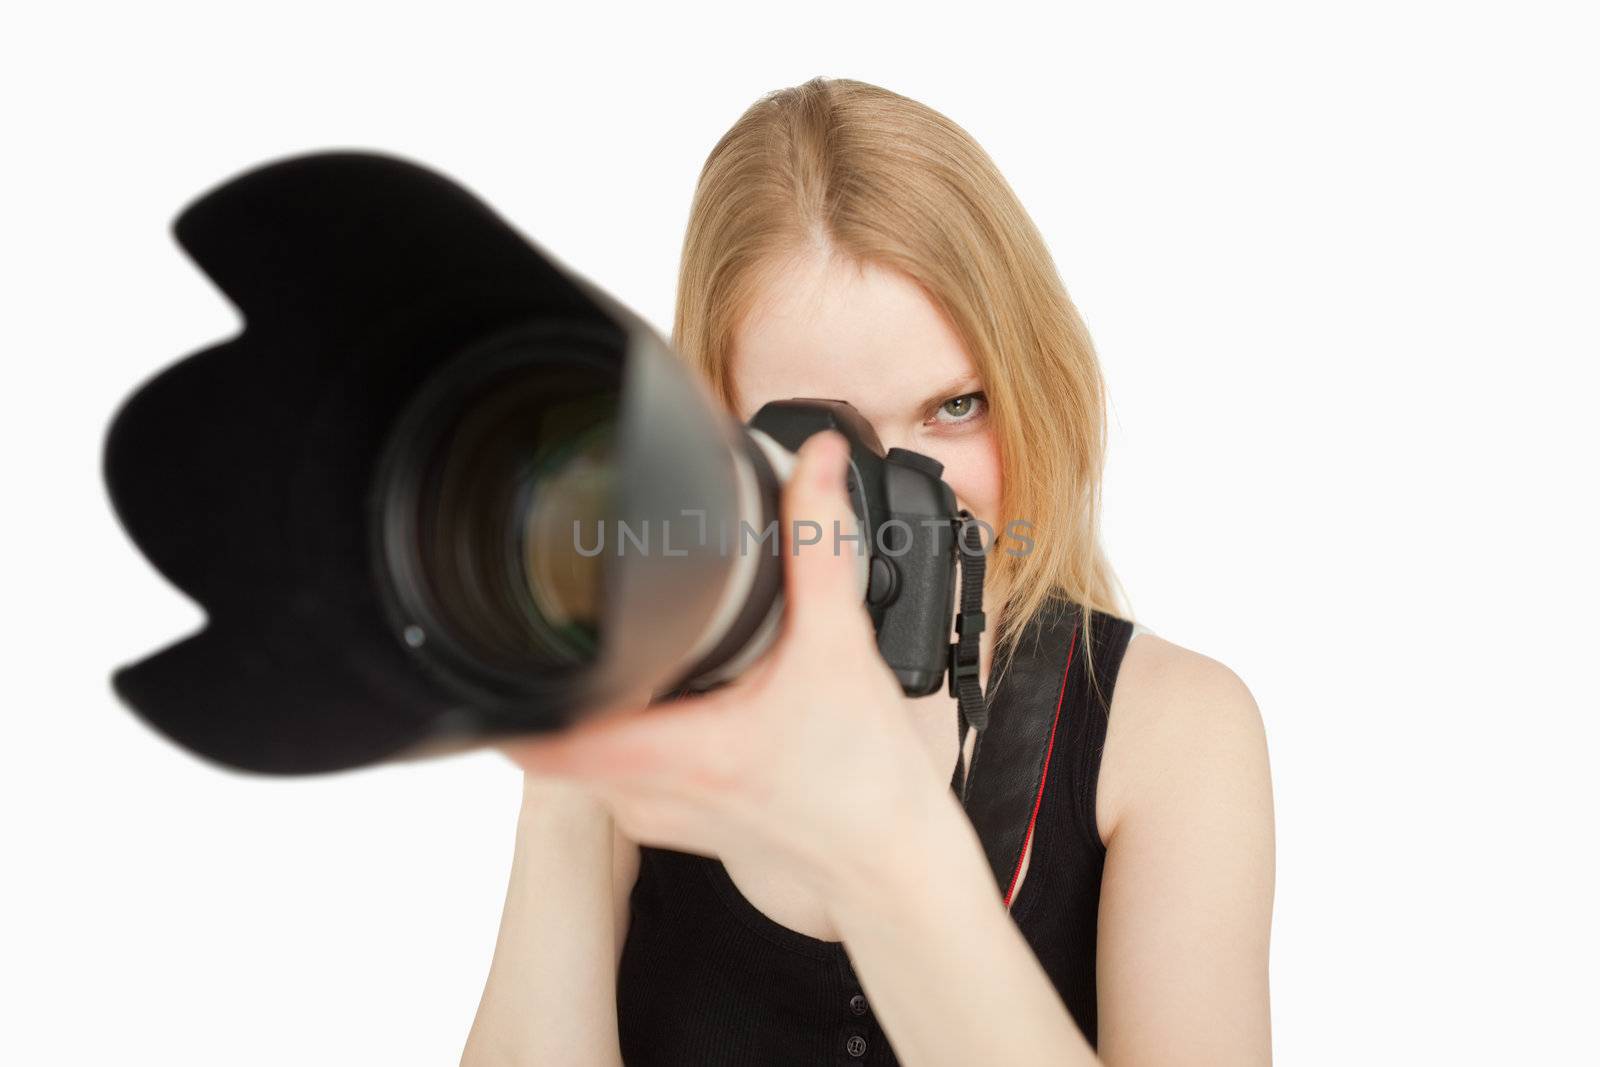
{"points": [[841, 330]]}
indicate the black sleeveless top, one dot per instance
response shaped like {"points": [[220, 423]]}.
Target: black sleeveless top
{"points": [[706, 978]]}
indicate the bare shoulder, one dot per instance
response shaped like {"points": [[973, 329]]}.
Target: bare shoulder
{"points": [[1182, 728], [1185, 810]]}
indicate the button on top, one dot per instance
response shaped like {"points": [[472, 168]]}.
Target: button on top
{"points": [[856, 1046], [915, 460], [858, 1005]]}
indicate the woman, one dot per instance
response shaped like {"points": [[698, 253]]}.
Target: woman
{"points": [[779, 871]]}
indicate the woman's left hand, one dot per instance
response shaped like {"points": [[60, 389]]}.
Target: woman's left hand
{"points": [[811, 755]]}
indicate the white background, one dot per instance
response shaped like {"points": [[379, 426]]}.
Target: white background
{"points": [[1340, 264]]}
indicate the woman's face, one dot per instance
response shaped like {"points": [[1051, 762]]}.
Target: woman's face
{"points": [[838, 330]]}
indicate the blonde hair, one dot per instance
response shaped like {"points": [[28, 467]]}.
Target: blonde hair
{"points": [[886, 180]]}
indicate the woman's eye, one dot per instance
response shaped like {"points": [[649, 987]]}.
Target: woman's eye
{"points": [[960, 409]]}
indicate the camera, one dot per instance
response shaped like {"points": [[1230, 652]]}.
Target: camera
{"points": [[440, 489]]}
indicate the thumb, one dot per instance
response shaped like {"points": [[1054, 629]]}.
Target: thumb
{"points": [[825, 554]]}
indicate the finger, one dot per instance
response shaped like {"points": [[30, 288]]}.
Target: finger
{"points": [[657, 818], [825, 556], [673, 746]]}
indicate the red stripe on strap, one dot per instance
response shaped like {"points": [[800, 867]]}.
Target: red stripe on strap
{"points": [[1050, 748]]}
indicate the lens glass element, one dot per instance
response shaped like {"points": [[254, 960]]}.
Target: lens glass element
{"points": [[516, 496], [563, 527]]}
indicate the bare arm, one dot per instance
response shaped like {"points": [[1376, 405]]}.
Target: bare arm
{"points": [[1185, 809], [551, 992]]}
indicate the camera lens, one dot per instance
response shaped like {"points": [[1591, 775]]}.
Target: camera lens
{"points": [[455, 491]]}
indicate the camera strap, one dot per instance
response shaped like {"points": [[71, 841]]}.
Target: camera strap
{"points": [[1044, 707], [965, 684]]}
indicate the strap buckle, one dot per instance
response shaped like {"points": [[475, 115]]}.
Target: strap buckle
{"points": [[961, 667]]}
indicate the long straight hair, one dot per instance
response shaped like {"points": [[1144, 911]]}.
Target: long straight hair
{"points": [[889, 181]]}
